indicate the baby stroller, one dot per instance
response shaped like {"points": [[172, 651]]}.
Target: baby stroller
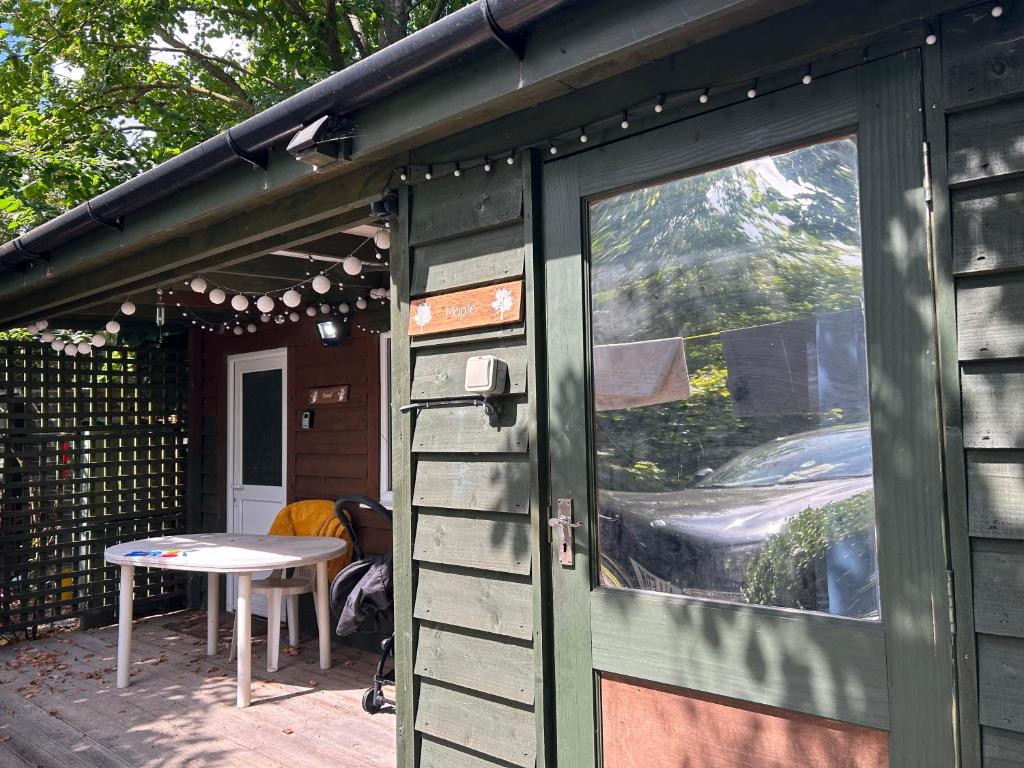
{"points": [[362, 599]]}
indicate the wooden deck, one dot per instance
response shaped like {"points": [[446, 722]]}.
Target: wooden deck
{"points": [[59, 707]]}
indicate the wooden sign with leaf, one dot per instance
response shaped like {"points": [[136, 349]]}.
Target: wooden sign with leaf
{"points": [[460, 310]]}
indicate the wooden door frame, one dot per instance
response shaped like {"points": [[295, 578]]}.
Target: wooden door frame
{"points": [[878, 101]]}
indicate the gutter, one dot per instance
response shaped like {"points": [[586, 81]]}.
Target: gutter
{"points": [[483, 24]]}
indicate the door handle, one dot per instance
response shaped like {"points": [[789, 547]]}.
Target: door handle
{"points": [[564, 523], [237, 487]]}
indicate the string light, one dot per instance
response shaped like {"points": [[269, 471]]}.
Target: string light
{"points": [[321, 283], [325, 309], [403, 174], [237, 330], [510, 160], [311, 310], [265, 304], [552, 149], [997, 11], [84, 348], [659, 103], [128, 308], [487, 165], [42, 325], [382, 239], [251, 327], [98, 340], [291, 298], [239, 302], [429, 173], [705, 96], [931, 38], [806, 79], [352, 265], [293, 316], [113, 326], [457, 171], [624, 125], [361, 303], [752, 91], [583, 136], [198, 284], [217, 296]]}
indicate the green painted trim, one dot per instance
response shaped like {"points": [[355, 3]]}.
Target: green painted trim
{"points": [[404, 522], [968, 732]]}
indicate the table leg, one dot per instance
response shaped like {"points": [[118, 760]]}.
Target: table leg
{"points": [[212, 612], [243, 617], [124, 625], [323, 615]]}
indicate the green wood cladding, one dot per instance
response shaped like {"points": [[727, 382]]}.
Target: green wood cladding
{"points": [[471, 516], [983, 93]]}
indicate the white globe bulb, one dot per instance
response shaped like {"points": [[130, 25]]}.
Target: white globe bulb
{"points": [[292, 298], [71, 350], [325, 308], [239, 302], [293, 316], [382, 239], [98, 340], [360, 303], [311, 310], [128, 308], [352, 265], [251, 327], [321, 284], [237, 330], [264, 318], [217, 296], [84, 348], [113, 326], [57, 345], [42, 325], [279, 319], [198, 285], [343, 308], [265, 304], [31, 327], [47, 337]]}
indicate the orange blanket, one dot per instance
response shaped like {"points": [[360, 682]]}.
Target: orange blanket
{"points": [[314, 518]]}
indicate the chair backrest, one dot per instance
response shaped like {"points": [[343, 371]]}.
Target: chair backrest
{"points": [[315, 517]]}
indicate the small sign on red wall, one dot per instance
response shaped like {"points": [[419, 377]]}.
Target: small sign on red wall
{"points": [[475, 308], [328, 395]]}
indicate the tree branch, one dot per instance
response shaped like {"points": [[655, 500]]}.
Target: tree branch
{"points": [[329, 35], [218, 73], [354, 28], [438, 11]]}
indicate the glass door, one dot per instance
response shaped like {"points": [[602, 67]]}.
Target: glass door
{"points": [[740, 331]]}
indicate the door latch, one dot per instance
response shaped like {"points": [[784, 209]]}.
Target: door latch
{"points": [[565, 525]]}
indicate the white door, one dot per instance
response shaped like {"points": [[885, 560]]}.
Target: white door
{"points": [[257, 447]]}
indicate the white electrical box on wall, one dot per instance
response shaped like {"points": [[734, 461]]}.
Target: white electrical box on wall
{"points": [[485, 375]]}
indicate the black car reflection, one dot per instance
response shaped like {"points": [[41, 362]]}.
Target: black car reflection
{"points": [[789, 523]]}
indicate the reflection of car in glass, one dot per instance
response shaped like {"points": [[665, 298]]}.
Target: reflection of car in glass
{"points": [[788, 523]]}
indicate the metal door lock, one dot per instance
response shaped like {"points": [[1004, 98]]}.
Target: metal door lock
{"points": [[565, 525]]}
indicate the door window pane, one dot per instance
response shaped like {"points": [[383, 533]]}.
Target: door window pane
{"points": [[261, 428], [732, 439]]}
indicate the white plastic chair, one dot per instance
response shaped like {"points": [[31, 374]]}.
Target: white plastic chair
{"points": [[277, 586]]}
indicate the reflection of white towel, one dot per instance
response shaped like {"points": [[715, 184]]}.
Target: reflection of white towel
{"points": [[640, 373]]}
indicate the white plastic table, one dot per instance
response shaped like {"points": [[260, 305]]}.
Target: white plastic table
{"points": [[214, 554]]}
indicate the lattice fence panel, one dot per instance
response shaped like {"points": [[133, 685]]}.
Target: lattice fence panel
{"points": [[92, 452]]}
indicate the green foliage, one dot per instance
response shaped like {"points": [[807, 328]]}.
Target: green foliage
{"points": [[92, 92], [790, 570]]}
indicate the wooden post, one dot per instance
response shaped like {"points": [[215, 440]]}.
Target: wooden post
{"points": [[124, 625]]}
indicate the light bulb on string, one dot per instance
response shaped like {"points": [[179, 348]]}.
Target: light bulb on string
{"points": [[264, 318], [217, 296], [659, 103], [237, 330], [251, 327], [321, 284], [457, 170], [32, 328], [47, 337], [325, 309], [624, 125], [352, 265], [42, 325], [98, 340], [583, 136], [429, 173], [361, 303], [128, 309], [279, 319], [752, 90], [344, 308], [705, 96], [57, 345], [403, 174], [113, 326], [293, 316], [291, 298], [84, 348], [552, 149], [311, 310], [239, 302], [807, 78], [265, 304], [931, 38], [71, 349], [382, 239], [997, 11], [510, 160], [198, 284], [487, 165]]}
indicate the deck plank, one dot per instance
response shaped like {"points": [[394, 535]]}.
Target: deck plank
{"points": [[60, 707]]}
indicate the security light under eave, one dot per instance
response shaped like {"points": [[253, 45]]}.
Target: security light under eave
{"points": [[332, 332]]}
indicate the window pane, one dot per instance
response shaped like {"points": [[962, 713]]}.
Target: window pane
{"points": [[261, 428], [732, 439]]}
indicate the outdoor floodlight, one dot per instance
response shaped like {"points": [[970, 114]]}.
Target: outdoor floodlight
{"points": [[333, 331], [323, 141]]}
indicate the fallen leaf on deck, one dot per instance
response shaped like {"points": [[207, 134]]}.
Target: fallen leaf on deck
{"points": [[288, 731]]}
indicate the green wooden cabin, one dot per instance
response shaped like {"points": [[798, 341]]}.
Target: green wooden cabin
{"points": [[753, 490]]}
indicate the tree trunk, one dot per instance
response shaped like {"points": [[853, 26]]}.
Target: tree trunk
{"points": [[394, 22]]}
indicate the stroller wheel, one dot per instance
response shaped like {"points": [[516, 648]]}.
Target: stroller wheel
{"points": [[370, 703]]}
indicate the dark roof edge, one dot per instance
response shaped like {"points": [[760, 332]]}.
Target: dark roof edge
{"points": [[468, 30]]}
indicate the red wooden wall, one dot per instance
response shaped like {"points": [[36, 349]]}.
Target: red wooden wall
{"points": [[340, 454]]}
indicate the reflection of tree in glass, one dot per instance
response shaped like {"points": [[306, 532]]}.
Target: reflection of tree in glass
{"points": [[761, 242]]}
